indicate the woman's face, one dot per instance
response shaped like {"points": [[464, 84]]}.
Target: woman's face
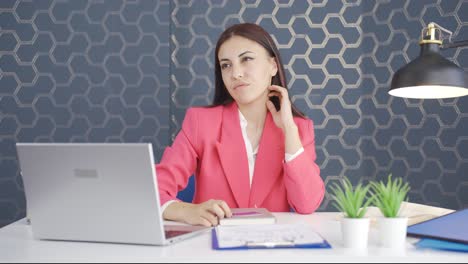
{"points": [[247, 69]]}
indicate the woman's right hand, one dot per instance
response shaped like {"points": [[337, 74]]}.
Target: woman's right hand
{"points": [[206, 214]]}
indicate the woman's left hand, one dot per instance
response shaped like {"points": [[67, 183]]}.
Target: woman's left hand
{"points": [[284, 117]]}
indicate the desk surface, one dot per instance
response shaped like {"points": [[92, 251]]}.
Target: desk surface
{"points": [[18, 245]]}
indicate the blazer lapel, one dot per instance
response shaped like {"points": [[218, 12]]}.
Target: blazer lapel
{"points": [[269, 162], [233, 155]]}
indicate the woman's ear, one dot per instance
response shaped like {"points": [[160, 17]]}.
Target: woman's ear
{"points": [[274, 66]]}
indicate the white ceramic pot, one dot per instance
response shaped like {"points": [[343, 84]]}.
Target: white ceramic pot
{"points": [[355, 232], [392, 231]]}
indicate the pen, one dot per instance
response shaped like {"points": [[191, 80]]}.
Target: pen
{"points": [[270, 244], [245, 213]]}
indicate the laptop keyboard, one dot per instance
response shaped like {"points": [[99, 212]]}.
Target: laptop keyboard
{"points": [[174, 233]]}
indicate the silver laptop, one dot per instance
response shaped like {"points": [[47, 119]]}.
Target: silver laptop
{"points": [[95, 192]]}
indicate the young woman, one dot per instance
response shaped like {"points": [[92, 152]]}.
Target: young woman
{"points": [[251, 148]]}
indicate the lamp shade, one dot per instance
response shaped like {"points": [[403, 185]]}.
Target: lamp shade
{"points": [[429, 76]]}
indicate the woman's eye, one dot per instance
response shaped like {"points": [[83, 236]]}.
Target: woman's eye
{"points": [[224, 66], [247, 59]]}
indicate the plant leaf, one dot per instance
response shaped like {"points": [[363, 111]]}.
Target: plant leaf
{"points": [[389, 196]]}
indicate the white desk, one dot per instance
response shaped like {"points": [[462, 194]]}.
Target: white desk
{"points": [[17, 245]]}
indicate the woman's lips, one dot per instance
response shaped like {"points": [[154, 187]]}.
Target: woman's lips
{"points": [[240, 86]]}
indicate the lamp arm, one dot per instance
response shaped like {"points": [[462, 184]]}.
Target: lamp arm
{"points": [[456, 44]]}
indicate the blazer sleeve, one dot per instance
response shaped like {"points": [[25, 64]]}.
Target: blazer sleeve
{"points": [[179, 161], [304, 186]]}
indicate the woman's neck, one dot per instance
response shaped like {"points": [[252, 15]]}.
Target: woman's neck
{"points": [[255, 113]]}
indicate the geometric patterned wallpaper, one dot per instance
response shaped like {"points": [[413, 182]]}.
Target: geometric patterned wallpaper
{"points": [[126, 71], [80, 71]]}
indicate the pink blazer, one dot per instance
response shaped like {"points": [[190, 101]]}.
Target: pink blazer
{"points": [[210, 145]]}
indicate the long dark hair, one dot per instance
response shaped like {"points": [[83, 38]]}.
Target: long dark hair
{"points": [[258, 34]]}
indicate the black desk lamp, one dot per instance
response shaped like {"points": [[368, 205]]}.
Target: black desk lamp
{"points": [[431, 76]]}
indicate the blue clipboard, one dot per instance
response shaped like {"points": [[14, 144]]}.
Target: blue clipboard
{"points": [[215, 244], [441, 245]]}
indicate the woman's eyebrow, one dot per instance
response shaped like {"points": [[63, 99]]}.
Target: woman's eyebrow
{"points": [[240, 55], [245, 52]]}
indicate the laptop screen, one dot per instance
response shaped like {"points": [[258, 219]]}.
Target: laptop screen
{"points": [[103, 192]]}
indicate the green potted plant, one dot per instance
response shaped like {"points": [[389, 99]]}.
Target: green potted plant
{"points": [[353, 203], [388, 197]]}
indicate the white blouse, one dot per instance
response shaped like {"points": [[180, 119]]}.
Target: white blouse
{"points": [[252, 153]]}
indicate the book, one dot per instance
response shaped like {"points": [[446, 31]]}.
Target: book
{"points": [[450, 227], [249, 216], [266, 236], [416, 213]]}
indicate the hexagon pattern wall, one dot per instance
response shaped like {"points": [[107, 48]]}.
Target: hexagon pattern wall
{"points": [[126, 71], [80, 71]]}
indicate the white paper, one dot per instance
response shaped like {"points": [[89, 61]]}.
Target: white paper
{"points": [[269, 235]]}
